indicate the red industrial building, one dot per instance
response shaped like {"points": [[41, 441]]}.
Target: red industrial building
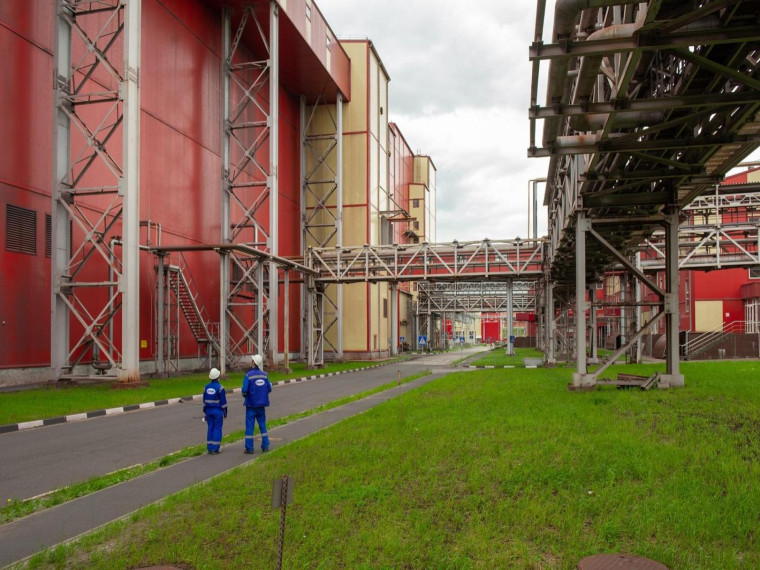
{"points": [[145, 140]]}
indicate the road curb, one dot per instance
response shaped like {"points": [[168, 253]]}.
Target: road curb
{"points": [[21, 426]]}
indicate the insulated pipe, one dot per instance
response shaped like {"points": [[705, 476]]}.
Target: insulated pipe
{"points": [[565, 14], [589, 67], [624, 120]]}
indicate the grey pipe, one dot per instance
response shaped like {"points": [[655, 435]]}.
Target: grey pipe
{"points": [[565, 14]]}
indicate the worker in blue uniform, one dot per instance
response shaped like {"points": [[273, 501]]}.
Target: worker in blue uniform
{"points": [[256, 389], [215, 409]]}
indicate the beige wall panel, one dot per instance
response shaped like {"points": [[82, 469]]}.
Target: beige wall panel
{"points": [[374, 86], [354, 226], [322, 121], [753, 176], [708, 315], [355, 321], [378, 323], [374, 227], [355, 117], [421, 169], [355, 169]]}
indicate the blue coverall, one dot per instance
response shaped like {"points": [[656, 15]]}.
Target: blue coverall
{"points": [[215, 408], [256, 389]]}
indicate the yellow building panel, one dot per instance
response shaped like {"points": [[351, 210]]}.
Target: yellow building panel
{"points": [[354, 226], [708, 315], [355, 169], [355, 317], [323, 121], [753, 176], [421, 169], [355, 119]]}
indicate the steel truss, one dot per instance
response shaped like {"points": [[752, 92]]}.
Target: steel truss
{"points": [[322, 220], [466, 261], [648, 105], [250, 91], [728, 237], [485, 297], [96, 187]]}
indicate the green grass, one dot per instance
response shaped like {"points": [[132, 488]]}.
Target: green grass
{"points": [[41, 403], [512, 471], [499, 357], [14, 509]]}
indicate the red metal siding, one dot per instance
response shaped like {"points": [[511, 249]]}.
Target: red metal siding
{"points": [[180, 166], [490, 330], [724, 285], [26, 103]]}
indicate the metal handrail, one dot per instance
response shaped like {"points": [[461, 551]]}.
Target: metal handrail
{"points": [[711, 337]]}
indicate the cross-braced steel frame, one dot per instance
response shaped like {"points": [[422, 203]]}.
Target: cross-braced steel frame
{"points": [[96, 187], [322, 220], [648, 105], [250, 91]]}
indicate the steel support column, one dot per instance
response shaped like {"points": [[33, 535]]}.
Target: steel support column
{"points": [[339, 216], [224, 259], [61, 220], [581, 226], [593, 333], [672, 376], [510, 319], [130, 190], [550, 324], [273, 181], [394, 318]]}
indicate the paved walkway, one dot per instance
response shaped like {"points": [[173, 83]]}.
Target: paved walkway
{"points": [[24, 537]]}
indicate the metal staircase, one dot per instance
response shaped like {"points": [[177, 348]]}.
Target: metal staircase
{"points": [[693, 348], [181, 296]]}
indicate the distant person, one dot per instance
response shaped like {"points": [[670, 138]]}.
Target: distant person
{"points": [[256, 389], [215, 409]]}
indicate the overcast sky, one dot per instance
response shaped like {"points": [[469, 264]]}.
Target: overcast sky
{"points": [[459, 92]]}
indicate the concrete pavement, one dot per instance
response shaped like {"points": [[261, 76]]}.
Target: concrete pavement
{"points": [[98, 446]]}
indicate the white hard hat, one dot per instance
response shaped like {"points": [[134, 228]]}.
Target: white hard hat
{"points": [[214, 374], [258, 361]]}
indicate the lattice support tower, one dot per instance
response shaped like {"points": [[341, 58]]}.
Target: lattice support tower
{"points": [[250, 91], [95, 190]]}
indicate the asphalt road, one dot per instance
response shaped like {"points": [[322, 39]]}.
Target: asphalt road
{"points": [[40, 460]]}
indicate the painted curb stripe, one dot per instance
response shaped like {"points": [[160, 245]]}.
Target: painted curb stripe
{"points": [[8, 428]]}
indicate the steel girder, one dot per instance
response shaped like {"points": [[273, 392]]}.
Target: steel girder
{"points": [[485, 297], [655, 103], [250, 285], [95, 190], [717, 231], [621, 154], [466, 261]]}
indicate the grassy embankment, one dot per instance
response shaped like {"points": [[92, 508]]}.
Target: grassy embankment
{"points": [[499, 357], [483, 469], [14, 509]]}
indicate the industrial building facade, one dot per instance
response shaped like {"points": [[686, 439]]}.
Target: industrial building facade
{"points": [[166, 164]]}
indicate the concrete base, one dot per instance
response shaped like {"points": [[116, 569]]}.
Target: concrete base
{"points": [[671, 381], [582, 383]]}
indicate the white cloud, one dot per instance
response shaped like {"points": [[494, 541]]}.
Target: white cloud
{"points": [[459, 91]]}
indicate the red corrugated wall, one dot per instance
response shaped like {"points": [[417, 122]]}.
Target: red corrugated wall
{"points": [[180, 164], [26, 102]]}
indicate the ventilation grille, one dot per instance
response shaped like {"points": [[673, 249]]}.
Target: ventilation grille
{"points": [[20, 230]]}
